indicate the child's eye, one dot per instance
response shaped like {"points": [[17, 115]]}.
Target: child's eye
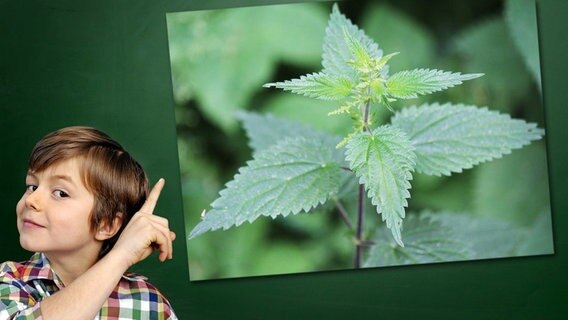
{"points": [[60, 194], [31, 187]]}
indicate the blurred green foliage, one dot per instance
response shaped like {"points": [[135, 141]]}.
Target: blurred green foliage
{"points": [[220, 59]]}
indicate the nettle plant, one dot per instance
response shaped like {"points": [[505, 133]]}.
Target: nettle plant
{"points": [[297, 169]]}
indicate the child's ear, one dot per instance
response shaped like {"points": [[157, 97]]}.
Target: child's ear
{"points": [[108, 230]]}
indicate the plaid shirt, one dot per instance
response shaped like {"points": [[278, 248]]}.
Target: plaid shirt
{"points": [[23, 285]]}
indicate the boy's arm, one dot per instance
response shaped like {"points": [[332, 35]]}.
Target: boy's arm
{"points": [[84, 297]]}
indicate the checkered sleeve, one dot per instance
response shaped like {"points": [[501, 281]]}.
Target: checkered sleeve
{"points": [[135, 298], [16, 298]]}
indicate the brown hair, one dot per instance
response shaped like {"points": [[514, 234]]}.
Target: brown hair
{"points": [[116, 180]]}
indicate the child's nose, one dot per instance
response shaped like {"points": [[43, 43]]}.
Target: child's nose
{"points": [[33, 200]]}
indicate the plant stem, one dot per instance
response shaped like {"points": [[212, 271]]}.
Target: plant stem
{"points": [[359, 231], [344, 214], [366, 116], [361, 202]]}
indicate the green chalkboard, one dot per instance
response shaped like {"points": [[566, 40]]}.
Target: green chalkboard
{"points": [[106, 64]]}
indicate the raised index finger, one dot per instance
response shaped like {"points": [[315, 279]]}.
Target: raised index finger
{"points": [[150, 204]]}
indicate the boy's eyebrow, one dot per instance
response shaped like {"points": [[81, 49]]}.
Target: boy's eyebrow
{"points": [[55, 177], [62, 177]]}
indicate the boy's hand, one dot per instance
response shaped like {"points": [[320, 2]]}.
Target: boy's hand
{"points": [[146, 232]]}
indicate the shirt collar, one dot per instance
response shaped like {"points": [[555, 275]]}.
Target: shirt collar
{"points": [[37, 267]]}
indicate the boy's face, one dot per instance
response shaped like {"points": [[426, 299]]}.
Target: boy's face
{"points": [[54, 212]]}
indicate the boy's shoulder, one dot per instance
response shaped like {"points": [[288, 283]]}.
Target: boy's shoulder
{"points": [[26, 270], [134, 283], [134, 294]]}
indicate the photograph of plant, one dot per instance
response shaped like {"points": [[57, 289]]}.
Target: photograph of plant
{"points": [[333, 144]]}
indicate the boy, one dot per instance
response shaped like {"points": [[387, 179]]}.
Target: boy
{"points": [[88, 215]]}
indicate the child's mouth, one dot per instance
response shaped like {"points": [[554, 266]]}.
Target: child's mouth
{"points": [[31, 224]]}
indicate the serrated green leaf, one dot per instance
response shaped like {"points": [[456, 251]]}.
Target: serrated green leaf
{"points": [[411, 83], [266, 130], [384, 161], [336, 50], [520, 16], [449, 138], [426, 241], [361, 58], [317, 85], [292, 176]]}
